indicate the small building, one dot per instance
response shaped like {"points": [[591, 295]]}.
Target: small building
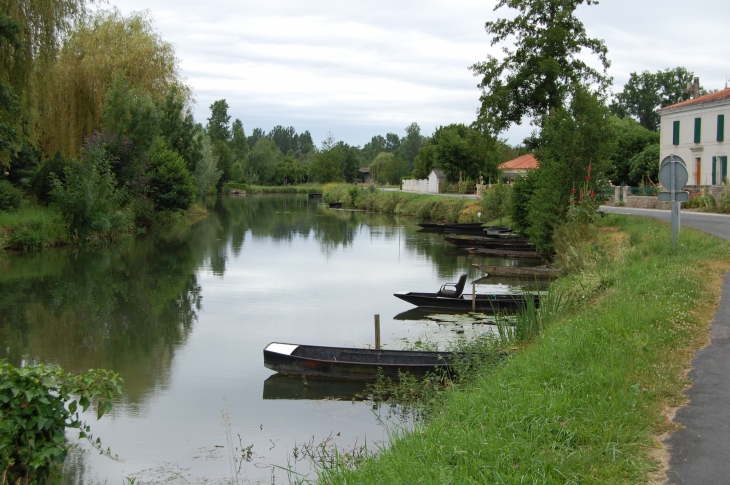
{"points": [[435, 179], [363, 175], [695, 131], [518, 166]]}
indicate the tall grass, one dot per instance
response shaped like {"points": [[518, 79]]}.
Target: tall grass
{"points": [[30, 228], [274, 189], [583, 402]]}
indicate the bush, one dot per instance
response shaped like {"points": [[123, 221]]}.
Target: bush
{"points": [[171, 185], [38, 404], [10, 197], [53, 168]]}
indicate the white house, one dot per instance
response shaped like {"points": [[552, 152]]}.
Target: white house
{"points": [[435, 179], [695, 131]]}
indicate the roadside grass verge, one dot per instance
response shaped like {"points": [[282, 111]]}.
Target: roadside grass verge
{"points": [[585, 401], [30, 228]]}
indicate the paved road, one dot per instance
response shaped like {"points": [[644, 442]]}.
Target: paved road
{"points": [[700, 453]]}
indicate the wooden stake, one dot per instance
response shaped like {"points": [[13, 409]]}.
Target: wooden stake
{"points": [[377, 332], [473, 297]]}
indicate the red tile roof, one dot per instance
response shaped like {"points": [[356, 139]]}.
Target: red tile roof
{"points": [[707, 98], [524, 162]]}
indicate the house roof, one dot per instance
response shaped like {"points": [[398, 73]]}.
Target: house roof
{"points": [[364, 169], [439, 173], [707, 98], [521, 163]]}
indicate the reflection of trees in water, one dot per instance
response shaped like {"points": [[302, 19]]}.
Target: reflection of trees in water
{"points": [[127, 308]]}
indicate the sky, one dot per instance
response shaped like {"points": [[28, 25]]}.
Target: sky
{"points": [[355, 69]]}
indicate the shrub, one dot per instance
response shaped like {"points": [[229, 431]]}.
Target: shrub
{"points": [[171, 185], [10, 197], [51, 168], [38, 404]]}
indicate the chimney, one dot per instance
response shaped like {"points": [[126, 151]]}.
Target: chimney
{"points": [[694, 90]]}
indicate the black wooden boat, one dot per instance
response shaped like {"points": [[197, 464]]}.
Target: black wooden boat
{"points": [[342, 363], [279, 386], [505, 253], [488, 242], [335, 205], [455, 298], [315, 195], [529, 271], [453, 227]]}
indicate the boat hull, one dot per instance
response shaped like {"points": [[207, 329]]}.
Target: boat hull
{"points": [[538, 272], [339, 363], [483, 302]]}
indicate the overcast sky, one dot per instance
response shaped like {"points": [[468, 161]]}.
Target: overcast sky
{"points": [[357, 69]]}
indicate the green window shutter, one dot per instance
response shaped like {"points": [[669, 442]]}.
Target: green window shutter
{"points": [[714, 171], [720, 127], [698, 130], [675, 133], [723, 168]]}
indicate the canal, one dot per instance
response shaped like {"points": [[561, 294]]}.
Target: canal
{"points": [[184, 318]]}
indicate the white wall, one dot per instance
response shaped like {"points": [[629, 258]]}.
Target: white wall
{"points": [[687, 149]]}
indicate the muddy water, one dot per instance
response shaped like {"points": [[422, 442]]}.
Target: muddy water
{"points": [[184, 317]]}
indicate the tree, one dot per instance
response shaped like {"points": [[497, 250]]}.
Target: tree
{"points": [[92, 57], [412, 142], [574, 153], [386, 169], [178, 127], [645, 93], [645, 165], [631, 139], [262, 162], [206, 172], [327, 163], [285, 138], [256, 135], [9, 110], [545, 66], [290, 171], [218, 128], [239, 144]]}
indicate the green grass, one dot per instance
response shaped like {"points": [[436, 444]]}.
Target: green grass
{"points": [[275, 189], [583, 403], [30, 228]]}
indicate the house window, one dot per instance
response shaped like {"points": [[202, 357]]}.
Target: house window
{"points": [[675, 133], [720, 127], [698, 130]]}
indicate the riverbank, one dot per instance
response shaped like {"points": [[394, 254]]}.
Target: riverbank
{"points": [[35, 227], [585, 402], [273, 189]]}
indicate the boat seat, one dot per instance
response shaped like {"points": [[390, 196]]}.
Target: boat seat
{"points": [[458, 288]]}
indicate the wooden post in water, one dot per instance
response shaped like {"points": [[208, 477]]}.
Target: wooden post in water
{"points": [[473, 297], [377, 332]]}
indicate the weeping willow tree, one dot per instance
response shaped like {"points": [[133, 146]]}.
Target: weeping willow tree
{"points": [[40, 27], [101, 48]]}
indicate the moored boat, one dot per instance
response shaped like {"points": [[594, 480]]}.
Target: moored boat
{"points": [[342, 363], [506, 253], [531, 271], [488, 242]]}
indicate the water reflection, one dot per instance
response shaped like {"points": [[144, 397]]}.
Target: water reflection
{"points": [[285, 387]]}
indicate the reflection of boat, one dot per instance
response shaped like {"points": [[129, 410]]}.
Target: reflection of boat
{"points": [[280, 386], [506, 253], [454, 298], [536, 271], [489, 242], [351, 364], [315, 195], [444, 316]]}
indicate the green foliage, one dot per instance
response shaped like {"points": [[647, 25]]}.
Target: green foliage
{"points": [[223, 154], [497, 201], [645, 166], [545, 66], [522, 192], [171, 186], [206, 172], [10, 197], [327, 164], [290, 171], [460, 151], [31, 228], [178, 127], [348, 195], [88, 197], [239, 144], [645, 93], [218, 128], [262, 161], [574, 152], [38, 404], [9, 30], [385, 169], [631, 140]]}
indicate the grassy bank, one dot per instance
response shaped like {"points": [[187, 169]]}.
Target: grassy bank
{"points": [[584, 402], [274, 189], [32, 227], [420, 206]]}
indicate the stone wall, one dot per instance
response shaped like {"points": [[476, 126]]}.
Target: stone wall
{"points": [[645, 202]]}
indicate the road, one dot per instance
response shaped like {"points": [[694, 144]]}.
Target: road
{"points": [[700, 452]]}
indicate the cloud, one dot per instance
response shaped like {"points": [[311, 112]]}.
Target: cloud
{"points": [[357, 69]]}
